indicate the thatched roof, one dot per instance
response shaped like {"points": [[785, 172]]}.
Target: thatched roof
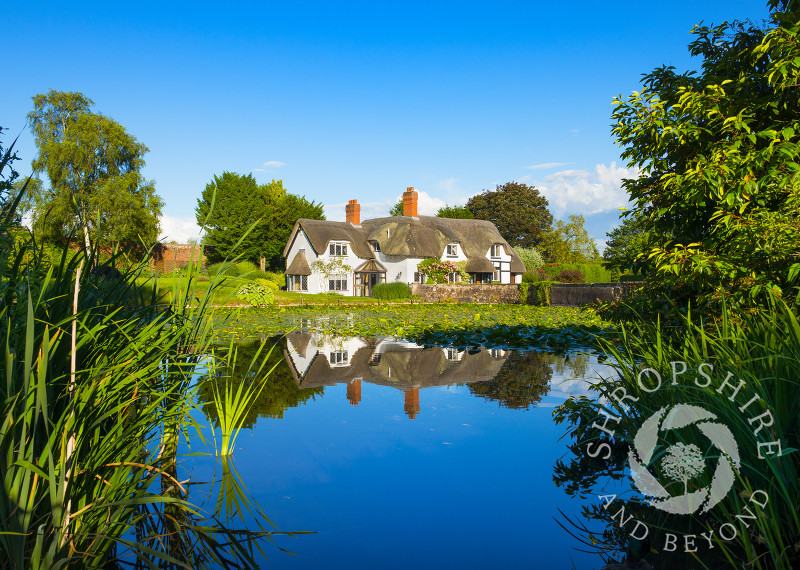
{"points": [[425, 236], [299, 265]]}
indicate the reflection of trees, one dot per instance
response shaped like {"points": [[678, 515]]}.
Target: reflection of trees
{"points": [[577, 364], [521, 382], [281, 392]]}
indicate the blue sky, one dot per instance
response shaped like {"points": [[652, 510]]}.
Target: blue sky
{"points": [[359, 100]]}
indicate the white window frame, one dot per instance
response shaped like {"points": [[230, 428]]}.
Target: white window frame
{"points": [[496, 250], [338, 282], [338, 249], [452, 250], [376, 247]]}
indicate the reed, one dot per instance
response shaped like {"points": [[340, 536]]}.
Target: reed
{"points": [[97, 390]]}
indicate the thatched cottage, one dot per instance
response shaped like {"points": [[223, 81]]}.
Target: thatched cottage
{"points": [[351, 257]]}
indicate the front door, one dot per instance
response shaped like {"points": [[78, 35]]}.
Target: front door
{"points": [[366, 281]]}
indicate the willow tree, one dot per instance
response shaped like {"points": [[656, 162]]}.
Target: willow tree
{"points": [[719, 162], [93, 166]]}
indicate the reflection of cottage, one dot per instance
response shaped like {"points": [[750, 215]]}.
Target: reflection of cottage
{"points": [[351, 257], [316, 360]]}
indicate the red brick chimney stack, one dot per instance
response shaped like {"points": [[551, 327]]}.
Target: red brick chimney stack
{"points": [[411, 407], [354, 391], [353, 212], [410, 202]]}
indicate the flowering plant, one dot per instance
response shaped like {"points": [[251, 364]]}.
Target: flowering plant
{"points": [[437, 270]]}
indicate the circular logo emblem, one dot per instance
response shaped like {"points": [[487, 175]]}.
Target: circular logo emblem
{"points": [[681, 462]]}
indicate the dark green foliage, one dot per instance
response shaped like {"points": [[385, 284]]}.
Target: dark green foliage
{"points": [[719, 164], [519, 211], [260, 216], [391, 291], [93, 165], [461, 212], [280, 393], [397, 209], [521, 382], [628, 246], [539, 293], [570, 276]]}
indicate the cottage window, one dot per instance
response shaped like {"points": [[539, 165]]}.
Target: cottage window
{"points": [[376, 247], [419, 277], [452, 250], [496, 250], [298, 282], [338, 357], [337, 283], [338, 249], [452, 354]]}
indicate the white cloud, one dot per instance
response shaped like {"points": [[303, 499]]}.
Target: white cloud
{"points": [[587, 192], [274, 164], [546, 165], [178, 229]]}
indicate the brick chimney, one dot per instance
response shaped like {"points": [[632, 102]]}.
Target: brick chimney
{"points": [[353, 212], [410, 202], [354, 391], [411, 407]]}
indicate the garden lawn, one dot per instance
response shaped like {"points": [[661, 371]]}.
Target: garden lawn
{"points": [[555, 329]]}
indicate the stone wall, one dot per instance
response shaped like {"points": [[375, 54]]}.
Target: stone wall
{"points": [[473, 293], [561, 294], [576, 294]]}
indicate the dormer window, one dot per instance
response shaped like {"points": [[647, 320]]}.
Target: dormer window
{"points": [[496, 250], [376, 247], [452, 250], [338, 249]]}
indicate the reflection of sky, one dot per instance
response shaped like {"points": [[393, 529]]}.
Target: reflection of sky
{"points": [[467, 484]]}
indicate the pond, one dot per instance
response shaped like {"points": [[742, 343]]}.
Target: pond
{"points": [[400, 455]]}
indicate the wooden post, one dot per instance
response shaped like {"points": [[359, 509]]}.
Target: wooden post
{"points": [[263, 263]]}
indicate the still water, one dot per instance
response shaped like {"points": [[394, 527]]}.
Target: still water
{"points": [[401, 456]]}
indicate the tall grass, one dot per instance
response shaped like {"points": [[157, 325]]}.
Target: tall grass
{"points": [[96, 389], [762, 350]]}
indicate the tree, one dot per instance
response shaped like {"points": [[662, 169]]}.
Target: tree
{"points": [[397, 209], [629, 244], [461, 212], [94, 169], [719, 162], [569, 242], [519, 211], [240, 205], [530, 256], [521, 382]]}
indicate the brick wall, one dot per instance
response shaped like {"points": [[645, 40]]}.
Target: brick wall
{"points": [[169, 256]]}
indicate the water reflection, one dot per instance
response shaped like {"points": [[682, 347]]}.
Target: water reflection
{"points": [[304, 363], [318, 360]]}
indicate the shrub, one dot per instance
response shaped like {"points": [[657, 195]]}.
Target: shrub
{"points": [[391, 291], [541, 292], [271, 285], [534, 276], [256, 294], [278, 278], [436, 270], [570, 276], [530, 256], [223, 268]]}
